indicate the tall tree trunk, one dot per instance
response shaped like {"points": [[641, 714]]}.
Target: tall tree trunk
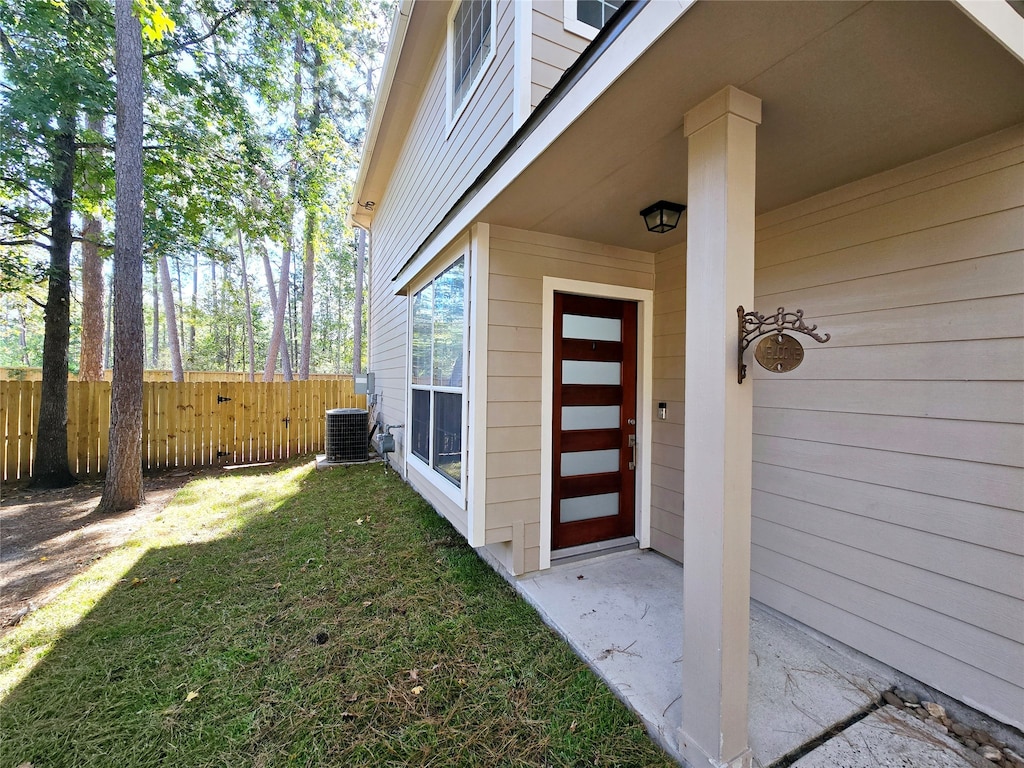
{"points": [[308, 276], [228, 334], [357, 314], [309, 264], [90, 358], [181, 304], [195, 312], [171, 320], [277, 334], [123, 487], [155, 358], [248, 309], [51, 463], [22, 338], [286, 366], [108, 347], [341, 328], [291, 322]]}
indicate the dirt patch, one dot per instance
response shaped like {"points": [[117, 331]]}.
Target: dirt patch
{"points": [[47, 537]]}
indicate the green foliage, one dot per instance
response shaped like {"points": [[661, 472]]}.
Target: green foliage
{"points": [[227, 146]]}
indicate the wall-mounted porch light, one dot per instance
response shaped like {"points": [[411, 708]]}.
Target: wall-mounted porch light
{"points": [[663, 216]]}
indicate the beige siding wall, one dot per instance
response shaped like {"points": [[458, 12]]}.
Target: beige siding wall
{"points": [[888, 491], [667, 437], [554, 48], [433, 170], [519, 261]]}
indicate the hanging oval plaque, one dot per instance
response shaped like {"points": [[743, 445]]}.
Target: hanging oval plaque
{"points": [[779, 353]]}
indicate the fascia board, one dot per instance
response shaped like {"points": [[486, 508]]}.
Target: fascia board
{"points": [[998, 18], [653, 21]]}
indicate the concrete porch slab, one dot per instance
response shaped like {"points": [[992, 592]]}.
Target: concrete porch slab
{"points": [[622, 613], [891, 738]]}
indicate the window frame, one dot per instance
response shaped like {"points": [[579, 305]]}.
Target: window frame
{"points": [[571, 21], [453, 111], [440, 480]]}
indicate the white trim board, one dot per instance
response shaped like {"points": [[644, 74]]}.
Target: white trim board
{"points": [[644, 396], [522, 66], [476, 389], [998, 19]]}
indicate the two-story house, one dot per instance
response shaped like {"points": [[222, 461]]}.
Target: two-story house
{"points": [[566, 371]]}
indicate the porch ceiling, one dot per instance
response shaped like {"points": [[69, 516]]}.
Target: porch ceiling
{"points": [[849, 89]]}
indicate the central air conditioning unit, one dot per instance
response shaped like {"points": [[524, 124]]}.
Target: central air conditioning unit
{"points": [[347, 438]]}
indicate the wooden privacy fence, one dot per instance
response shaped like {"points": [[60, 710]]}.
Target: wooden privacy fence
{"points": [[36, 374], [189, 424]]}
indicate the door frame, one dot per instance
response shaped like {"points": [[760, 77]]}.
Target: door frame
{"points": [[644, 398]]}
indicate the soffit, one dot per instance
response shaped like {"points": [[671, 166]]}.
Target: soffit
{"points": [[849, 89], [423, 39]]}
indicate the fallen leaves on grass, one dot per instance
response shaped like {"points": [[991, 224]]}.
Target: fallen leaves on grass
{"points": [[417, 690], [192, 695]]}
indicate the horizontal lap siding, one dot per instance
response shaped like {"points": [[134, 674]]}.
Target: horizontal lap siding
{"points": [[519, 261], [888, 494], [434, 168], [667, 448], [554, 48]]}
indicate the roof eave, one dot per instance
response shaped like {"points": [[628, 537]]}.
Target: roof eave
{"points": [[359, 214]]}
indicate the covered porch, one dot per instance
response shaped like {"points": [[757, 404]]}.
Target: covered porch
{"points": [[811, 704], [877, 184], [747, 109]]}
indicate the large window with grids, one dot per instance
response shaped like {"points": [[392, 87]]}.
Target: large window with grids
{"points": [[438, 352], [470, 48]]}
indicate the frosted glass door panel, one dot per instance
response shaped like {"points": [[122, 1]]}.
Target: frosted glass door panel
{"points": [[588, 507], [590, 372], [592, 328], [590, 417], [589, 462]]}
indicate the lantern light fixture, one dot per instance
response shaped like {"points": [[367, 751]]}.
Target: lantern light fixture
{"points": [[663, 216]]}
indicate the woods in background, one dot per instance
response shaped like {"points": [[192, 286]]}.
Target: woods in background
{"points": [[254, 115]]}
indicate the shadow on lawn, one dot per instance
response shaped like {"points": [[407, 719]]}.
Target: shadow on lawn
{"points": [[48, 536], [349, 625]]}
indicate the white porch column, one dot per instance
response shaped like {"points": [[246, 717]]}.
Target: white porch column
{"points": [[717, 432]]}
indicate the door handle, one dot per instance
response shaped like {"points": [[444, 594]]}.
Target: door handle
{"points": [[632, 445]]}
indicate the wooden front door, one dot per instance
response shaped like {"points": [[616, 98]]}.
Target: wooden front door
{"points": [[593, 477]]}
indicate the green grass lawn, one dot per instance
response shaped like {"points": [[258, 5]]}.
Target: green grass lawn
{"points": [[287, 617]]}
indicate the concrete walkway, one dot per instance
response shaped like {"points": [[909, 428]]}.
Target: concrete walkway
{"points": [[622, 613]]}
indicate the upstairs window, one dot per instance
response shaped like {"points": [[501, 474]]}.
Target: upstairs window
{"points": [[586, 17], [470, 48], [596, 13]]}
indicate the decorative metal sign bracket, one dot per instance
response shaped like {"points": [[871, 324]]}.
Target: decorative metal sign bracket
{"points": [[753, 325]]}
